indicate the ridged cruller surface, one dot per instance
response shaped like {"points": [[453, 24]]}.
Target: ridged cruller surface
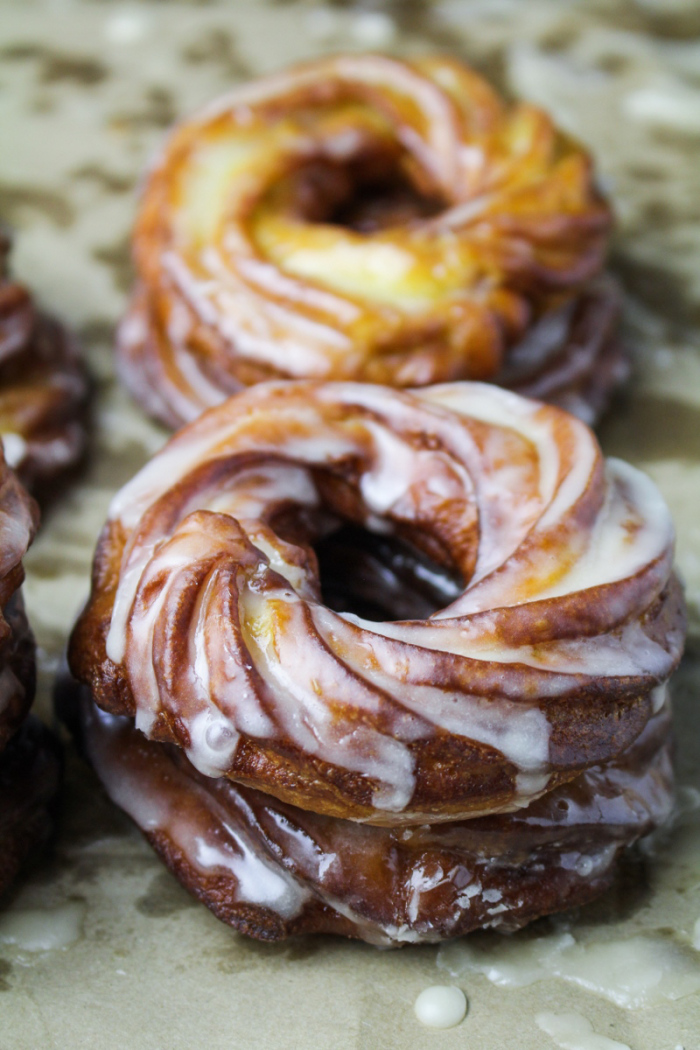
{"points": [[273, 870], [29, 760], [544, 662], [364, 218], [43, 386]]}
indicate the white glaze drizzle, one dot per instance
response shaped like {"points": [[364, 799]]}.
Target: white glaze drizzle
{"points": [[259, 880], [354, 664], [269, 854]]}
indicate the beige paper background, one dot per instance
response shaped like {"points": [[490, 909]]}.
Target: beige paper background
{"points": [[87, 90]]}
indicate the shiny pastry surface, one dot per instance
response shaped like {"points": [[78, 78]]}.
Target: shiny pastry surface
{"points": [[273, 870], [538, 626], [43, 386], [364, 218]]}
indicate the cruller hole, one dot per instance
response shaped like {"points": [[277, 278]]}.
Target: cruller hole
{"points": [[381, 577], [375, 190]]}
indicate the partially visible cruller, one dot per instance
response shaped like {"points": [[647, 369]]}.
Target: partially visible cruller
{"points": [[43, 387], [30, 764]]}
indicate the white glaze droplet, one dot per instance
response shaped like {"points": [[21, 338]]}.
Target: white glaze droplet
{"points": [[126, 27], [373, 29], [15, 448], [441, 1006], [572, 1031], [42, 929]]}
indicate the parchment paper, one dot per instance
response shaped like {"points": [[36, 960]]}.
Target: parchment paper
{"points": [[87, 90]]}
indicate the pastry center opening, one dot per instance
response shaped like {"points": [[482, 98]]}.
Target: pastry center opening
{"points": [[382, 577], [367, 193], [381, 201]]}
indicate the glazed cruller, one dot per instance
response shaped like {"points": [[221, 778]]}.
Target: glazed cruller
{"points": [[474, 746], [364, 218]]}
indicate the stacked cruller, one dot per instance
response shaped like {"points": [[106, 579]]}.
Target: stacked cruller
{"points": [[386, 663], [29, 762], [43, 403], [506, 747]]}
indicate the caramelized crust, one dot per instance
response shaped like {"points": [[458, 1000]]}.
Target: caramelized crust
{"points": [[364, 218], [43, 387], [559, 624], [272, 870]]}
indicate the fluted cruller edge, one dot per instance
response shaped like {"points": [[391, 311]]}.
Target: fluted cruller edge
{"points": [[206, 624], [360, 217], [272, 870]]}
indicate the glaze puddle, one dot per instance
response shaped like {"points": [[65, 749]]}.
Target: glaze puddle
{"points": [[637, 972], [43, 929], [572, 1031]]}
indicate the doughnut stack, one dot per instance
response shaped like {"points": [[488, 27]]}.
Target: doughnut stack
{"points": [[29, 759], [376, 645], [479, 757]]}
